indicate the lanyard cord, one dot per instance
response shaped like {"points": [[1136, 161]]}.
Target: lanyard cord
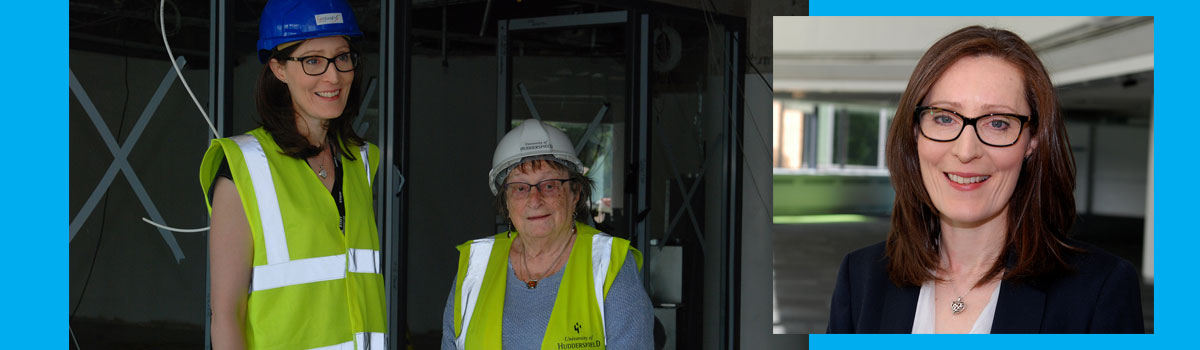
{"points": [[337, 190]]}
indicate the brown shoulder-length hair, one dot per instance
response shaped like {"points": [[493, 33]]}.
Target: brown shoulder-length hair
{"points": [[1042, 206], [278, 117]]}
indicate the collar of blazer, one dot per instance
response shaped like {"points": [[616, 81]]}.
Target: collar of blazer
{"points": [[1018, 310]]}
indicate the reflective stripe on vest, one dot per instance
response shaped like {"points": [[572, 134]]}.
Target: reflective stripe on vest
{"points": [[264, 193], [317, 269], [481, 250], [362, 341], [601, 254], [280, 270], [366, 162], [480, 253]]}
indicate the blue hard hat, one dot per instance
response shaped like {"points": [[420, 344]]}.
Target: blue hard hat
{"points": [[285, 21]]}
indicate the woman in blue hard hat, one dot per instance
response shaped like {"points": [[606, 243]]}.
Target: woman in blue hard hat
{"points": [[294, 253], [550, 282]]}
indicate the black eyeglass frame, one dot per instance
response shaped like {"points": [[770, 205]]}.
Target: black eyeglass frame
{"points": [[969, 121], [328, 61], [538, 185]]}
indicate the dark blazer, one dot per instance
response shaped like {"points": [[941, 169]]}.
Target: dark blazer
{"points": [[1102, 295]]}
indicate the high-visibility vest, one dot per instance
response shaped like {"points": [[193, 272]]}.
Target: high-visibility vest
{"points": [[312, 286], [577, 319]]}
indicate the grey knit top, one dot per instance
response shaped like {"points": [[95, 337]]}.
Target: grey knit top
{"points": [[628, 321]]}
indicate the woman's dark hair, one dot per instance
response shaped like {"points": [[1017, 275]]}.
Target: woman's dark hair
{"points": [[278, 117], [1042, 206], [579, 183]]}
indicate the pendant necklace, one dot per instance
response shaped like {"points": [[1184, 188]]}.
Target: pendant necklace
{"points": [[322, 173], [532, 283], [957, 306]]}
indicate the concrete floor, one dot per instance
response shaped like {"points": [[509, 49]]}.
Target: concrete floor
{"points": [[807, 257], [97, 334]]}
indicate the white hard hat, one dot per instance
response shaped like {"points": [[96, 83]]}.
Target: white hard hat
{"points": [[531, 138]]}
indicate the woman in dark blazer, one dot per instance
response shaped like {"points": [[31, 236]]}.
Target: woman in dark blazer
{"points": [[984, 180]]}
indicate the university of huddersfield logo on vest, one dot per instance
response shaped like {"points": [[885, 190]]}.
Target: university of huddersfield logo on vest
{"points": [[580, 342]]}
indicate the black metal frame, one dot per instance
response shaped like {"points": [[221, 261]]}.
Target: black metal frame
{"points": [[968, 122], [396, 105], [637, 155], [220, 107], [731, 277]]}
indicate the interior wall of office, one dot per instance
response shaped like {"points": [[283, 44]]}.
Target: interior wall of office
{"points": [[135, 277]]}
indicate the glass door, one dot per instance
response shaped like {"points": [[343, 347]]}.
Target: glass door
{"points": [[571, 72]]}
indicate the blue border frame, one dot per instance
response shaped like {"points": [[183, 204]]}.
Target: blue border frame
{"points": [[37, 259], [36, 255]]}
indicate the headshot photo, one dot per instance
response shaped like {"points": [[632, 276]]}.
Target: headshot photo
{"points": [[988, 175]]}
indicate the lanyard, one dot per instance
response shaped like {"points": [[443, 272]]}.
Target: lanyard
{"points": [[337, 192]]}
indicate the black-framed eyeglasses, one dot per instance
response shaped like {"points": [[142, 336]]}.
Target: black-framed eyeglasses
{"points": [[522, 190], [944, 125], [317, 65]]}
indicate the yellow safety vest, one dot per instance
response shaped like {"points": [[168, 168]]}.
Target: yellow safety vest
{"points": [[577, 319], [312, 287]]}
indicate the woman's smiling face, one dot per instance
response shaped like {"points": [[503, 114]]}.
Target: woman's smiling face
{"points": [[541, 214], [969, 182], [321, 97]]}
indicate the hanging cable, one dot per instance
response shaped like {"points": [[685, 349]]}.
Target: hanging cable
{"points": [[710, 22], [169, 228], [162, 29], [104, 209], [171, 57], [748, 61]]}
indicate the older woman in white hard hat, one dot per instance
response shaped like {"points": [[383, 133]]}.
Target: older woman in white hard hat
{"points": [[294, 253], [550, 282]]}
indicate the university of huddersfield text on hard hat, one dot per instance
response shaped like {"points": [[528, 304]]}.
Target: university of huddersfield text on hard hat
{"points": [[531, 138]]}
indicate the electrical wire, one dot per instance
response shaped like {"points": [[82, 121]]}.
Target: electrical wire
{"points": [[108, 15], [169, 228], [104, 209], [710, 22], [92, 266], [171, 57], [766, 149], [742, 146], [747, 60]]}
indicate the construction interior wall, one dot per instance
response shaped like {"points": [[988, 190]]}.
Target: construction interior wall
{"points": [[123, 272]]}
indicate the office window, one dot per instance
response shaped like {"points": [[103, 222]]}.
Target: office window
{"points": [[814, 137]]}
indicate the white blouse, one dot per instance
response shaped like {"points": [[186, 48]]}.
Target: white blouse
{"points": [[925, 317]]}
